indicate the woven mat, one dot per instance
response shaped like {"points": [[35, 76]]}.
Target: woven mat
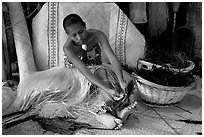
{"points": [[49, 36], [144, 120]]}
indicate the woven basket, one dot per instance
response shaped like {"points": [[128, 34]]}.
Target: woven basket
{"points": [[157, 95], [142, 64]]}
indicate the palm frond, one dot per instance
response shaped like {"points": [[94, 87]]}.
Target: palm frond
{"points": [[61, 125]]}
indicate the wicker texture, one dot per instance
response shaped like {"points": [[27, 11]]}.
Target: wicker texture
{"points": [[158, 95]]}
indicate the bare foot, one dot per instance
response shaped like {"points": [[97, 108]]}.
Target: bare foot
{"points": [[125, 112], [109, 121]]}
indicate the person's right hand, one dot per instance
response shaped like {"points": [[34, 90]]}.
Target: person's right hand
{"points": [[117, 96], [114, 95]]}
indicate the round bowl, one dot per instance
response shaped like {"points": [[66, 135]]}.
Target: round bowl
{"points": [[142, 64], [158, 95]]}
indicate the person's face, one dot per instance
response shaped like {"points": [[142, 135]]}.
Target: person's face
{"points": [[77, 32]]}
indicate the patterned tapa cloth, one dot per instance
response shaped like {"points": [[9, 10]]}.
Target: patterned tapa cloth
{"points": [[49, 35]]}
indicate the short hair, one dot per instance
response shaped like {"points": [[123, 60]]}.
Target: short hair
{"points": [[72, 19]]}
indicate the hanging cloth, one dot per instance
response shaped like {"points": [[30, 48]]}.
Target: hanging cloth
{"points": [[137, 12]]}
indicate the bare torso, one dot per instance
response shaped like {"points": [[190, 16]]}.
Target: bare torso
{"points": [[92, 43]]}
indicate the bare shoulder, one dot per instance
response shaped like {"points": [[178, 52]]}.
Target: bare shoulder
{"points": [[67, 44], [98, 34]]}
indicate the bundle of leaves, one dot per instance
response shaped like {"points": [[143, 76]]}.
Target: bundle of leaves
{"points": [[164, 76], [61, 125], [36, 99], [177, 60]]}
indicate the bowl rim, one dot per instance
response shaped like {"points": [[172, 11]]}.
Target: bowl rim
{"points": [[144, 81], [150, 65]]}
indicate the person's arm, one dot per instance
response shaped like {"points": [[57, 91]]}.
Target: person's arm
{"points": [[85, 71], [112, 58]]}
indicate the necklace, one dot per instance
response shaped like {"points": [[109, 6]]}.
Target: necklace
{"points": [[84, 47]]}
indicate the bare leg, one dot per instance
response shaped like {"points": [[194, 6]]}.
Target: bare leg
{"points": [[102, 74], [122, 114], [109, 121]]}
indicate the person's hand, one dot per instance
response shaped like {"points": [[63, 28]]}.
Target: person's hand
{"points": [[117, 96], [113, 95]]}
